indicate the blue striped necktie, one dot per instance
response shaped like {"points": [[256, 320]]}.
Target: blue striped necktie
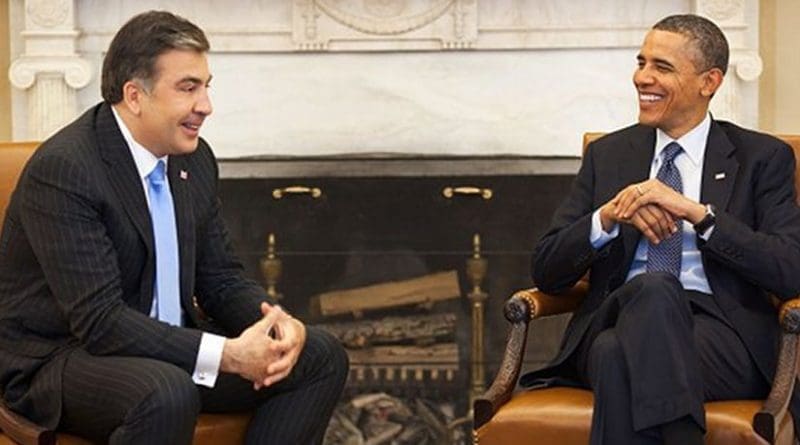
{"points": [[162, 214], [666, 255]]}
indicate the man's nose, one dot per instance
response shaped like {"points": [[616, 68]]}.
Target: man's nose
{"points": [[203, 104]]}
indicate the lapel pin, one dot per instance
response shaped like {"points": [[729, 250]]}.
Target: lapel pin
{"points": [[184, 175], [719, 176]]}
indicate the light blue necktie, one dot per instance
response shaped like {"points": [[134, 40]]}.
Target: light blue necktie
{"points": [[162, 214], [666, 255]]}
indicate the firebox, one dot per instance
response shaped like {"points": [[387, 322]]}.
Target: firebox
{"points": [[408, 262]]}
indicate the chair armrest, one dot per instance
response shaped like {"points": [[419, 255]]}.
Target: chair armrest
{"points": [[766, 420], [519, 310], [22, 430], [542, 304]]}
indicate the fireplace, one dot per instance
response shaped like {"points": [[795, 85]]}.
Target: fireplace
{"points": [[368, 232]]}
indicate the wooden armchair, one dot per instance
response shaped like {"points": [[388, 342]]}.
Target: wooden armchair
{"points": [[562, 416], [211, 429]]}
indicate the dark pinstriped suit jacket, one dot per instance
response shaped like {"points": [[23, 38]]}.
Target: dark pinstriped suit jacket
{"points": [[77, 262]]}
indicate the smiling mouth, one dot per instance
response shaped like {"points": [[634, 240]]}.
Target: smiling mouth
{"points": [[650, 98], [192, 127]]}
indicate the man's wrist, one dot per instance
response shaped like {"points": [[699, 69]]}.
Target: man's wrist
{"points": [[696, 213], [707, 222]]}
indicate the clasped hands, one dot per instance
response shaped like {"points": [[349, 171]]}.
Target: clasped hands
{"points": [[266, 351], [654, 208]]}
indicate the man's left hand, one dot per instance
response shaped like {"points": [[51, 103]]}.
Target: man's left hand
{"points": [[290, 336]]}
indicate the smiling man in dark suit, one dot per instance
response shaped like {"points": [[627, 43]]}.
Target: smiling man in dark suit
{"points": [[113, 228], [684, 224]]}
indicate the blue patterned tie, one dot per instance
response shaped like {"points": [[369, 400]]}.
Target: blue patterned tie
{"points": [[666, 256], [162, 213]]}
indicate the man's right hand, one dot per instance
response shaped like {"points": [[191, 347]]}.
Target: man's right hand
{"points": [[253, 351], [654, 222]]}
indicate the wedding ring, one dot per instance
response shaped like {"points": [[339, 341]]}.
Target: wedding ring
{"points": [[639, 189]]}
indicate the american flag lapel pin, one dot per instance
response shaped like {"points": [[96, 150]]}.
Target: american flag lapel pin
{"points": [[719, 176], [184, 175]]}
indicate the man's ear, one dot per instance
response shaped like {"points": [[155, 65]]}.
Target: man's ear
{"points": [[712, 80], [132, 95]]}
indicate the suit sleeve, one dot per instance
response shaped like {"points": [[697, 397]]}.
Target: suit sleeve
{"points": [[767, 254], [221, 289], [564, 253], [62, 216]]}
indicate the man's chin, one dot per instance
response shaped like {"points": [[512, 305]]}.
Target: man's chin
{"points": [[647, 121]]}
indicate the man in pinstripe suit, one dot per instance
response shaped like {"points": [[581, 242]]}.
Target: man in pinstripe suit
{"points": [[82, 347]]}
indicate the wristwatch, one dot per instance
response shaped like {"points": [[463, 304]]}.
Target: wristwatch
{"points": [[708, 221]]}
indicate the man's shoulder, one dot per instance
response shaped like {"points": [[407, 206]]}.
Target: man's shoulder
{"points": [[748, 139], [75, 138], [618, 139]]}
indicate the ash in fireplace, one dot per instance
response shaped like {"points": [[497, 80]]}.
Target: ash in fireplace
{"points": [[378, 418]]}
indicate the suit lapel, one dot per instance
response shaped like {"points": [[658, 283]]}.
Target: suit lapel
{"points": [[184, 219], [122, 173], [719, 168], [634, 167], [124, 179]]}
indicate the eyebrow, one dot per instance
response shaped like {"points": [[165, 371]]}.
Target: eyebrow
{"points": [[194, 80], [666, 62]]}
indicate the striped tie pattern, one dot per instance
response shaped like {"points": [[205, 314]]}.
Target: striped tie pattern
{"points": [[666, 255]]}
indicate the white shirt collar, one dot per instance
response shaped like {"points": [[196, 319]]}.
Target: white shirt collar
{"points": [[144, 159], [693, 142]]}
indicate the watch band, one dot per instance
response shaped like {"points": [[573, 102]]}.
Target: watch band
{"points": [[708, 221]]}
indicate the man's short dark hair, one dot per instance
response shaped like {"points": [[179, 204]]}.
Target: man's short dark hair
{"points": [[136, 46], [708, 39]]}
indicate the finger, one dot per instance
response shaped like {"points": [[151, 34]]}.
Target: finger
{"points": [[275, 378], [282, 364], [667, 221], [268, 321], [654, 219], [646, 230], [265, 308]]}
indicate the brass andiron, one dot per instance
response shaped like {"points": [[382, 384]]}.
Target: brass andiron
{"points": [[271, 268], [476, 272]]}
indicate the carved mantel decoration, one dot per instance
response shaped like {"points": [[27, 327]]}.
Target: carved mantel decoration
{"points": [[49, 70], [451, 77], [421, 24]]}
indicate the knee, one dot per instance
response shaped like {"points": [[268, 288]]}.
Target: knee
{"points": [[168, 392], [658, 289], [332, 350]]}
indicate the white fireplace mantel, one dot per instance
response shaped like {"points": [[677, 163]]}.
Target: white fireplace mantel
{"points": [[366, 77]]}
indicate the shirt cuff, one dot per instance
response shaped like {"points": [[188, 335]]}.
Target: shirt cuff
{"points": [[209, 356], [599, 237]]}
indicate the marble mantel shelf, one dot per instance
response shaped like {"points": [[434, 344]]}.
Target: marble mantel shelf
{"points": [[385, 165]]}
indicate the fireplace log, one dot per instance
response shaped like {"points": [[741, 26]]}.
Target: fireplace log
{"points": [[416, 329], [422, 290]]}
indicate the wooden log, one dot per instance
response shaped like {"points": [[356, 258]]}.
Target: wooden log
{"points": [[417, 329], [421, 290], [410, 356]]}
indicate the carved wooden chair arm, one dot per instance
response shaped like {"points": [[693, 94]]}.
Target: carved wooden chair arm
{"points": [[519, 310], [542, 304], [22, 430], [775, 408]]}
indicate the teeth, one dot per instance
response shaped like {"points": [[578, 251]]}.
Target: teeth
{"points": [[193, 127], [649, 97]]}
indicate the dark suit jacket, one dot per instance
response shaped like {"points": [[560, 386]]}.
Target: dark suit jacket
{"points": [[77, 262], [754, 249]]}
